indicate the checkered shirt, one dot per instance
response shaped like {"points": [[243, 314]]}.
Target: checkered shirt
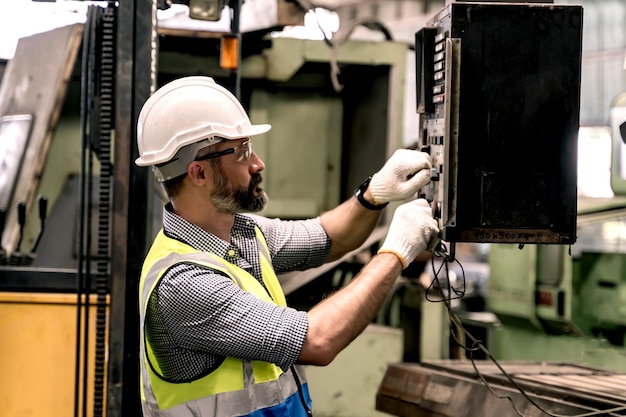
{"points": [[197, 317]]}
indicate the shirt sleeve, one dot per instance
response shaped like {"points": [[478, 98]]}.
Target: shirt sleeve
{"points": [[295, 245], [205, 311]]}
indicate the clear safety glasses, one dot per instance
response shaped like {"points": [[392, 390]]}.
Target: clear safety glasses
{"points": [[242, 152]]}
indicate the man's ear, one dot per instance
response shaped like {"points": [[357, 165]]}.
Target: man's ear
{"points": [[197, 172]]}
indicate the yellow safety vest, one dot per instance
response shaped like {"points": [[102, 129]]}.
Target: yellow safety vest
{"points": [[236, 387]]}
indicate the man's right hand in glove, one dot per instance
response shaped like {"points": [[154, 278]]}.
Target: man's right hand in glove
{"points": [[412, 231]]}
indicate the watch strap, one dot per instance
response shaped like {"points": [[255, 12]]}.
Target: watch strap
{"points": [[359, 196]]}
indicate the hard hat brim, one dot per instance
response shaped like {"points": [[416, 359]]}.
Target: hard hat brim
{"points": [[254, 130]]}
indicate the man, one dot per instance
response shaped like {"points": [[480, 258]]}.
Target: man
{"points": [[217, 338]]}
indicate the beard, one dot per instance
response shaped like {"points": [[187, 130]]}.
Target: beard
{"points": [[231, 200]]}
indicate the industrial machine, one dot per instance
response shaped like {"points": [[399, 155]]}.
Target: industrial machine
{"points": [[453, 388], [567, 302], [498, 95], [498, 90]]}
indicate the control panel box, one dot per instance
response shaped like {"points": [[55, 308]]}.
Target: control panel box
{"points": [[498, 96]]}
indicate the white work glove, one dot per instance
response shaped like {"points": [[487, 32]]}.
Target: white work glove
{"points": [[412, 231], [401, 177]]}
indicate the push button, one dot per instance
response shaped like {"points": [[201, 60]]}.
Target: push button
{"points": [[434, 174]]}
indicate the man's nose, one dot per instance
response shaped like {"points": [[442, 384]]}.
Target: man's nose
{"points": [[257, 163]]}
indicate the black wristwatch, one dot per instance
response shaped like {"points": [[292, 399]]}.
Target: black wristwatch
{"points": [[359, 196]]}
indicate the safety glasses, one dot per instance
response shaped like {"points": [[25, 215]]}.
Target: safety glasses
{"points": [[242, 152]]}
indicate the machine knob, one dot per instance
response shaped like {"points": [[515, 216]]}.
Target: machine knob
{"points": [[437, 210]]}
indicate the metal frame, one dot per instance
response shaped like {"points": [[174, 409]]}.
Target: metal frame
{"points": [[136, 67]]}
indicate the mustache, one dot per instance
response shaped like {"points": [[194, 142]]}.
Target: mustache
{"points": [[255, 180]]}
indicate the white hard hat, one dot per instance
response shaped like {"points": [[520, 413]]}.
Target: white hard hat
{"points": [[184, 116]]}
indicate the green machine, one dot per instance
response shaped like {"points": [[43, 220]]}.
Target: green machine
{"points": [[568, 303], [556, 319]]}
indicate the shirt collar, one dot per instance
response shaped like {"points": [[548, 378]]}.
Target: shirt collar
{"points": [[180, 229]]}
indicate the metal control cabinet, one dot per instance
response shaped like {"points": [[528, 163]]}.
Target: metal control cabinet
{"points": [[498, 93]]}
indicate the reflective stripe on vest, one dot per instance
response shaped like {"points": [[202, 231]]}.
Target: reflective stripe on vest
{"points": [[236, 387]]}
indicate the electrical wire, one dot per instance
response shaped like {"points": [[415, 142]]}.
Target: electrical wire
{"points": [[308, 6], [441, 251], [300, 392], [342, 35]]}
